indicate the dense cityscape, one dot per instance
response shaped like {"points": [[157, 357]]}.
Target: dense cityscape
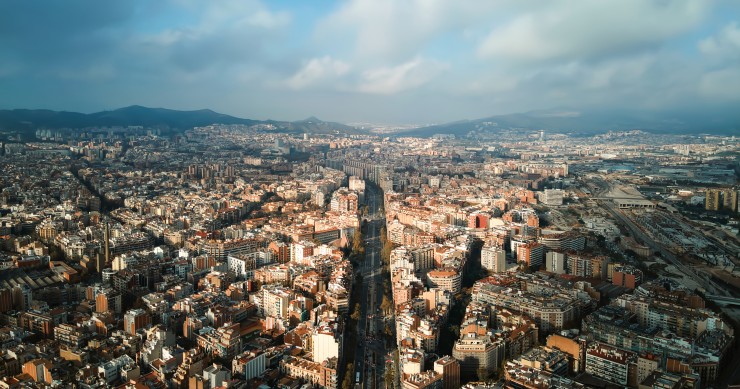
{"points": [[246, 257], [369, 194]]}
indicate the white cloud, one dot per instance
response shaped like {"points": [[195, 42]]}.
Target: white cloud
{"points": [[224, 38], [316, 71], [327, 73], [392, 31], [408, 75], [724, 45], [589, 30], [269, 20]]}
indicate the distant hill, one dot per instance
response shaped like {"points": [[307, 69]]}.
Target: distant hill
{"points": [[573, 121], [29, 120], [316, 126], [593, 122]]}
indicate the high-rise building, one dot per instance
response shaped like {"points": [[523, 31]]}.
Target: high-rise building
{"points": [[711, 202], [532, 254], [108, 300], [493, 258], [588, 266], [729, 200], [611, 364], [555, 262], [6, 300], [478, 220], [22, 297], [552, 197], [136, 319], [478, 353], [449, 368], [448, 279], [627, 276], [106, 243], [325, 344]]}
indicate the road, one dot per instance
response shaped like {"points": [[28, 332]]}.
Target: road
{"points": [[370, 349]]}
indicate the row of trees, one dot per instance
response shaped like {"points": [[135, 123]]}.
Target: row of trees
{"points": [[347, 382], [356, 255]]}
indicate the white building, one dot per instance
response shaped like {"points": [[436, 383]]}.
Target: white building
{"points": [[357, 184], [610, 363], [551, 197], [252, 364], [273, 300], [243, 266], [555, 262], [325, 345], [216, 375], [493, 258], [111, 370]]}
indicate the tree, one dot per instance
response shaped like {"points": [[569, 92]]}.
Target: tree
{"points": [[56, 253], [385, 253], [267, 196], [455, 330], [356, 314], [385, 305], [522, 265], [389, 378], [348, 373], [358, 244], [388, 330]]}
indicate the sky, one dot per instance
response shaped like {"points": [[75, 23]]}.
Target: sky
{"points": [[378, 61]]}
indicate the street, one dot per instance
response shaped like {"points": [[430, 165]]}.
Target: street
{"points": [[370, 350]]}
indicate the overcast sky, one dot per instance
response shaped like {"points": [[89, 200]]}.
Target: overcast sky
{"points": [[383, 61]]}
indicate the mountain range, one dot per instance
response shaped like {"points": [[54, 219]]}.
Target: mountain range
{"points": [[31, 119], [573, 121]]}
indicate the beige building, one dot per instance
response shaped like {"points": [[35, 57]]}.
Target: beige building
{"points": [[478, 353], [448, 279]]}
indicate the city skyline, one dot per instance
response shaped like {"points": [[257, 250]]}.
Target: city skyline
{"points": [[361, 61]]}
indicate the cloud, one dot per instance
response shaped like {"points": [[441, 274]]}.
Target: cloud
{"points": [[724, 45], [269, 20], [722, 53], [316, 70], [589, 30], [723, 84], [327, 73], [408, 75], [393, 31]]}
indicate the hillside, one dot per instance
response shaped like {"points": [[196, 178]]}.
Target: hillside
{"points": [[25, 120], [580, 122]]}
